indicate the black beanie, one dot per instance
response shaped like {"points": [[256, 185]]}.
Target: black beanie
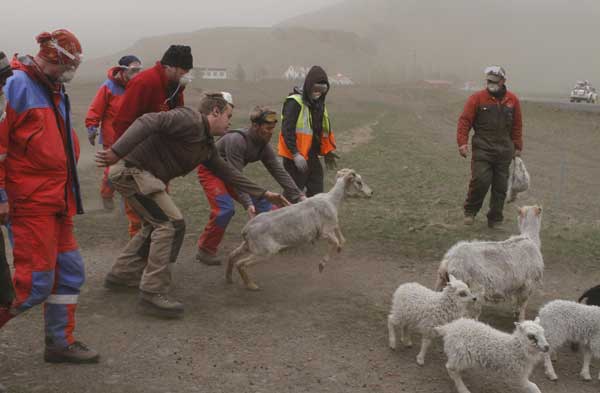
{"points": [[178, 56]]}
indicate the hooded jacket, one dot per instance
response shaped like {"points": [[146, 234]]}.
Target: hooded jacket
{"points": [[291, 110], [37, 155], [148, 92], [106, 104]]}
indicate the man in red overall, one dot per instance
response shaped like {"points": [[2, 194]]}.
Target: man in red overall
{"points": [[103, 110], [39, 192]]}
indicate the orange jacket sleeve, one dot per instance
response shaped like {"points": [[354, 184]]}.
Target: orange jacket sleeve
{"points": [[517, 131], [97, 108], [465, 122]]}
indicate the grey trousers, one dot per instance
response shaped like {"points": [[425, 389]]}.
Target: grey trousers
{"points": [[150, 252]]}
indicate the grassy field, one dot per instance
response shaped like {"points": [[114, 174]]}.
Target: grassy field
{"points": [[311, 332]]}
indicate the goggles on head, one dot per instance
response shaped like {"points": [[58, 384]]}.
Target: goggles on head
{"points": [[76, 58], [320, 88], [267, 117]]}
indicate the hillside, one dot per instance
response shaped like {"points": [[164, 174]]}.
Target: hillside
{"points": [[545, 44], [263, 51]]}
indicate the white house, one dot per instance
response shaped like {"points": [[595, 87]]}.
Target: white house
{"points": [[341, 80], [295, 73], [211, 72]]}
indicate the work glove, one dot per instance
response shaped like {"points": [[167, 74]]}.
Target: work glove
{"points": [[92, 134], [330, 160], [300, 163]]}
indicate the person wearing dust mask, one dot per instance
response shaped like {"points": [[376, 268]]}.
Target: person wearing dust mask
{"points": [[306, 133], [495, 115], [156, 89], [99, 121], [40, 193]]}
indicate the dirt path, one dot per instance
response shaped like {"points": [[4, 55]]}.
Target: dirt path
{"points": [[358, 136]]}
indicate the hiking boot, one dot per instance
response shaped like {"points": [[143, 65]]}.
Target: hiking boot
{"points": [[494, 224], [208, 259], [160, 305], [115, 283], [469, 220], [77, 353], [108, 204]]}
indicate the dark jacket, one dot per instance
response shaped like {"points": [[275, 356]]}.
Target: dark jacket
{"points": [[240, 147], [291, 111], [497, 123], [171, 144]]}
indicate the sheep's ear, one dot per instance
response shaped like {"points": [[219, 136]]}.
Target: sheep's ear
{"points": [[452, 279], [538, 210], [521, 211], [537, 320], [517, 325]]}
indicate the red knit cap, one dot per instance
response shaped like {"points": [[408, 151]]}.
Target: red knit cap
{"points": [[59, 47]]}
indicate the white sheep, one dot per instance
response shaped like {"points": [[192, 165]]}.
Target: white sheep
{"points": [[507, 270], [567, 321], [312, 219], [416, 308], [472, 345]]}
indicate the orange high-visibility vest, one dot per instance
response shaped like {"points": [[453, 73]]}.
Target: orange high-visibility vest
{"points": [[304, 132]]}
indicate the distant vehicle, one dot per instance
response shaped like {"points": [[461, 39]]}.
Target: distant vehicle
{"points": [[584, 92]]}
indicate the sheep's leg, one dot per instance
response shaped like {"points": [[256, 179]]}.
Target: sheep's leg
{"points": [[340, 237], [333, 246], [531, 387], [522, 301], [458, 382], [425, 343], [233, 258], [241, 266], [549, 368], [391, 332], [587, 357], [405, 337]]}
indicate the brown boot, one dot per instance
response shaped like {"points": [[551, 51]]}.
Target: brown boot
{"points": [[208, 259], [160, 305], [115, 283], [469, 220], [77, 353]]}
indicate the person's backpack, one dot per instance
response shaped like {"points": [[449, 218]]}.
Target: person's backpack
{"points": [[518, 180]]}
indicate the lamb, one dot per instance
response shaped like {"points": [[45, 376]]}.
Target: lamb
{"points": [[312, 219], [591, 296], [508, 270], [417, 308], [471, 344], [568, 321]]}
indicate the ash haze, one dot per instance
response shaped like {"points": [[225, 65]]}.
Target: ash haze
{"points": [[545, 45], [108, 26]]}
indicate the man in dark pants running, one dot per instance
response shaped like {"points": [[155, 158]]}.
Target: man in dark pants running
{"points": [[495, 115]]}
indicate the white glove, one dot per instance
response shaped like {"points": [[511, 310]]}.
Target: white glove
{"points": [[300, 163]]}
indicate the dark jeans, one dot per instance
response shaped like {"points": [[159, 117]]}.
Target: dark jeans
{"points": [[483, 175], [312, 180], [7, 291]]}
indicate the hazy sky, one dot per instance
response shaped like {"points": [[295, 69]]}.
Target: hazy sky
{"points": [[106, 26]]}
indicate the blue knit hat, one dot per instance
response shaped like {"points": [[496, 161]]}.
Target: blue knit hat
{"points": [[127, 60]]}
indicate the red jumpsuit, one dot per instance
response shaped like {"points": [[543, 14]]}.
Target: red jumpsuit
{"points": [[38, 177], [101, 114]]}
